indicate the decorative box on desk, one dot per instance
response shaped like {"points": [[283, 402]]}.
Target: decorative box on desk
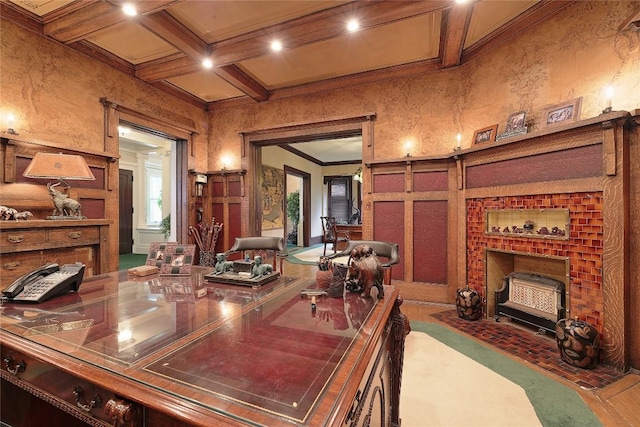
{"points": [[218, 360], [27, 245]]}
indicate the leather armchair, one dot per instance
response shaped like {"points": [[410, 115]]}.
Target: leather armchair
{"points": [[387, 253]]}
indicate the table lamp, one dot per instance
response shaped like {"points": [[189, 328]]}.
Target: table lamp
{"points": [[61, 167]]}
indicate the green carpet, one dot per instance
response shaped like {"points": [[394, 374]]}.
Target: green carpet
{"points": [[554, 403], [131, 260]]}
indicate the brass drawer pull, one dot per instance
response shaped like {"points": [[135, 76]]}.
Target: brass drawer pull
{"points": [[11, 265], [75, 234], [15, 238], [18, 366], [88, 406]]}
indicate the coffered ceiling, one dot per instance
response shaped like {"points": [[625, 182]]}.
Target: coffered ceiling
{"points": [[166, 43]]}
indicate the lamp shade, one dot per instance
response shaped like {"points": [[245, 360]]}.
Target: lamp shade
{"points": [[59, 166]]}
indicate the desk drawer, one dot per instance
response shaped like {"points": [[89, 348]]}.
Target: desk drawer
{"points": [[21, 240], [74, 236], [74, 396], [16, 265]]}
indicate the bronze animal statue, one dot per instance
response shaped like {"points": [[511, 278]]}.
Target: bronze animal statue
{"points": [[64, 205], [364, 272], [259, 269], [11, 214], [222, 265]]}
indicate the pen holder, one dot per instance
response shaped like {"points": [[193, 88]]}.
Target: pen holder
{"points": [[207, 259]]}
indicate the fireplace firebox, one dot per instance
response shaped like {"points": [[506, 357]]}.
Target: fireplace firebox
{"points": [[531, 298]]}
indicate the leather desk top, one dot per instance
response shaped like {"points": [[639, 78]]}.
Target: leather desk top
{"points": [[234, 350]]}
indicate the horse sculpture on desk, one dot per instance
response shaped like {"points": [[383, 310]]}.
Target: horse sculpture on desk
{"points": [[364, 272]]}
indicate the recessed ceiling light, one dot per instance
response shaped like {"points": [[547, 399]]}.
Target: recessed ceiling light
{"points": [[129, 9], [276, 46], [207, 63], [353, 25], [461, 1]]}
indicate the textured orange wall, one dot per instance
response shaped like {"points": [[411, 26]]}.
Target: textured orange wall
{"points": [[578, 52], [54, 94]]}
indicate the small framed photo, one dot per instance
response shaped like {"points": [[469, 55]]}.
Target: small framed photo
{"points": [[177, 260], [565, 112], [516, 121], [156, 253], [487, 134]]}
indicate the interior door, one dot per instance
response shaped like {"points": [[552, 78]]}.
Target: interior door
{"points": [[126, 212]]}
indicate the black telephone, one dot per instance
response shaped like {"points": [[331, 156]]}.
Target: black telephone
{"points": [[45, 282]]}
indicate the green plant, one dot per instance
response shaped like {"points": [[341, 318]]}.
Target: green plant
{"points": [[165, 226], [293, 207]]}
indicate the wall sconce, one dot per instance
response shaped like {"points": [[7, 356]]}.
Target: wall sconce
{"points": [[61, 167], [10, 121], [608, 93], [407, 148], [201, 180], [357, 176], [225, 162]]}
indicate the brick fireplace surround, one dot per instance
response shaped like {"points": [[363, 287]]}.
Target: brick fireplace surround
{"points": [[583, 250]]}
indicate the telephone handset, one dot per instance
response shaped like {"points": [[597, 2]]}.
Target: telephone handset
{"points": [[45, 282]]}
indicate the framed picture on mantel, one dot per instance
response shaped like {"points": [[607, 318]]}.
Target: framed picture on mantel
{"points": [[565, 112], [487, 134]]}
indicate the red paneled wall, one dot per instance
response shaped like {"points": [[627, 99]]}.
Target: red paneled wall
{"points": [[430, 241], [584, 247], [388, 183], [580, 162], [389, 227]]}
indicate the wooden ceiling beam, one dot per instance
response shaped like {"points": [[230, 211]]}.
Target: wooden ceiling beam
{"points": [[240, 80], [175, 33], [173, 66], [94, 16], [319, 26], [456, 22]]}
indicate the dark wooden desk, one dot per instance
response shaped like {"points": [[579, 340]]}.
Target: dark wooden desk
{"points": [[354, 230], [150, 351]]}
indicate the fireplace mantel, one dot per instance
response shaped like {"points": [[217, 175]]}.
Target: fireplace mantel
{"points": [[582, 167]]}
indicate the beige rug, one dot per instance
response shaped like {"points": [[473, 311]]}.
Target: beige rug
{"points": [[441, 387], [314, 254]]}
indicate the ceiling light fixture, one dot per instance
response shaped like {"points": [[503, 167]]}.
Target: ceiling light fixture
{"points": [[353, 25], [207, 63], [129, 9], [276, 46]]}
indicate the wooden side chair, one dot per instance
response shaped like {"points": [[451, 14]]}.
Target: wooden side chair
{"points": [[330, 234]]}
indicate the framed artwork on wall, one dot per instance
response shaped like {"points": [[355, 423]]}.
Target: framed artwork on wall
{"points": [[487, 134], [564, 112], [272, 198]]}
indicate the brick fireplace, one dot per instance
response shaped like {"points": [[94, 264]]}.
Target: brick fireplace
{"points": [[577, 260]]}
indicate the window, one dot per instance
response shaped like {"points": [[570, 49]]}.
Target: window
{"points": [[339, 205], [154, 194]]}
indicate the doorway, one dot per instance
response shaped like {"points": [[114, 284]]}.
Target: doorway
{"points": [[328, 137], [147, 187], [297, 207], [126, 211]]}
